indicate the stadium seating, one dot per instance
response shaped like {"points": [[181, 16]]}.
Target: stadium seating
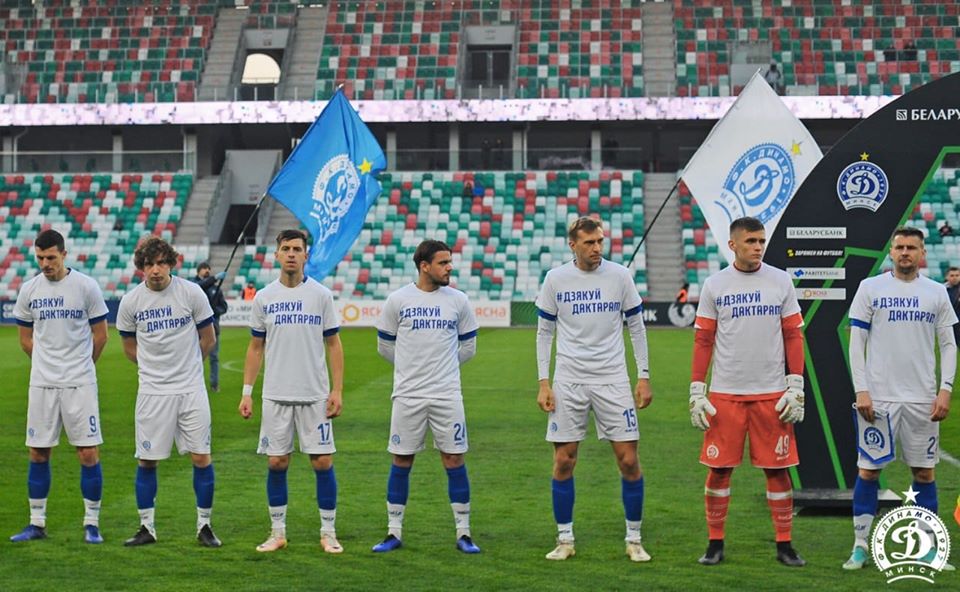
{"points": [[838, 46], [102, 217], [120, 51], [939, 205], [398, 49], [590, 51], [410, 49], [505, 238], [701, 256]]}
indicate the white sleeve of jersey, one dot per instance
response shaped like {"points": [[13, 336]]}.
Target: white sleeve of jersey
{"points": [[631, 297], [125, 321], [22, 309], [638, 337], [948, 356], [861, 315], [545, 330], [331, 321], [946, 316], [387, 330], [790, 305], [467, 331], [706, 308], [96, 307], [258, 323], [861, 311], [547, 300], [389, 323], [857, 355]]}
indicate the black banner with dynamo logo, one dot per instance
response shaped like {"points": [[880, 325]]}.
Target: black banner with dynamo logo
{"points": [[836, 232]]}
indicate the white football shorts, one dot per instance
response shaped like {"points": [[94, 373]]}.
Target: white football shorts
{"points": [[919, 437], [411, 417], [72, 409], [309, 420], [613, 412], [163, 419]]}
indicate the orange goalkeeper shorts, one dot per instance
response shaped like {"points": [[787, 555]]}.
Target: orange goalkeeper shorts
{"points": [[772, 443]]}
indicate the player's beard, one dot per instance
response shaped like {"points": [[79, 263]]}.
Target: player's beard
{"points": [[906, 269], [439, 281]]}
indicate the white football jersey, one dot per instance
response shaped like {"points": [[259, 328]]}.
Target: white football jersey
{"points": [[902, 320], [165, 323], [589, 308], [61, 314], [748, 307], [427, 328], [294, 322]]}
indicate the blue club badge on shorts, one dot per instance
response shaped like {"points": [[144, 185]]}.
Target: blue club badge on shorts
{"points": [[395, 438], [875, 438], [759, 184], [862, 184], [146, 444]]}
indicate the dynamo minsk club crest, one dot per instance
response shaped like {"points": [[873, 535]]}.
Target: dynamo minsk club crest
{"points": [[760, 183], [333, 194], [910, 542], [862, 185]]}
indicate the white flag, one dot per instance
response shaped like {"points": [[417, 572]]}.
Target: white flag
{"points": [[752, 162]]}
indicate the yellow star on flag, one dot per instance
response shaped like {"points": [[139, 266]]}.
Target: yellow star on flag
{"points": [[864, 156], [365, 166], [795, 149]]}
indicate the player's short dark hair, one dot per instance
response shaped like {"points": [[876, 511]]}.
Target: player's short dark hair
{"points": [[585, 224], [154, 250], [49, 238], [291, 234], [203, 265], [747, 223], [908, 231], [953, 268], [427, 249]]}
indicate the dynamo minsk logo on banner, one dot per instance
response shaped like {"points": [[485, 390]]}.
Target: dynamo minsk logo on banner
{"points": [[862, 184], [334, 190], [759, 184], [752, 162]]}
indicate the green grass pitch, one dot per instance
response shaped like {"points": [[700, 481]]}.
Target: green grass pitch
{"points": [[509, 465]]}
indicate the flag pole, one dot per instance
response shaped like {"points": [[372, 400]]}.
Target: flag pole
{"points": [[243, 233], [652, 222]]}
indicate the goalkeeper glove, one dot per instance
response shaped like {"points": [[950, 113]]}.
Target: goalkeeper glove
{"points": [[790, 404], [700, 406]]}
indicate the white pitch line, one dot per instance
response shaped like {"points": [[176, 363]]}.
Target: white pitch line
{"points": [[949, 458]]}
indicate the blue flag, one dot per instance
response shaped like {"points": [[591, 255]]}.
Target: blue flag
{"points": [[329, 182]]}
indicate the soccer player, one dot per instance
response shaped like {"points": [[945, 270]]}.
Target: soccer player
{"points": [[749, 321], [585, 302], [427, 331], [62, 322], [166, 325], [293, 320], [894, 319]]}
